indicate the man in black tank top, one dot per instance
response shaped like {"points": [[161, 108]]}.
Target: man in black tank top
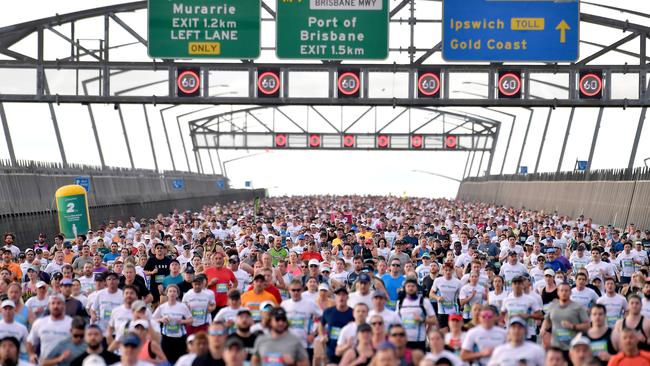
{"points": [[633, 320]]}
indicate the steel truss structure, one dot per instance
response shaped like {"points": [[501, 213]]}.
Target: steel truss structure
{"points": [[236, 129]]}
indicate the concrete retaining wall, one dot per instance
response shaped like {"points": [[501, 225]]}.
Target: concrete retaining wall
{"points": [[607, 202]]}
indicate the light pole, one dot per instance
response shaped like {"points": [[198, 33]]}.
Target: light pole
{"points": [[437, 175]]}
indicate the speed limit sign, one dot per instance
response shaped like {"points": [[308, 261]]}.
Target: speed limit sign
{"points": [[268, 83], [591, 84], [428, 84], [188, 82], [349, 84], [509, 84]]}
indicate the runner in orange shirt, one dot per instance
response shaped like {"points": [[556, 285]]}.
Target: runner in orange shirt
{"points": [[630, 354]]}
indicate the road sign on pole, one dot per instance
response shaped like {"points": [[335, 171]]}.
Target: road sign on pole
{"points": [[204, 29], [332, 29], [510, 30], [84, 182]]}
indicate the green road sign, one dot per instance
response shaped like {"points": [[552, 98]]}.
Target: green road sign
{"points": [[332, 29], [204, 28]]}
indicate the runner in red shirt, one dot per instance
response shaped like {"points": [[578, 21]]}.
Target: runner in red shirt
{"points": [[220, 280], [311, 253]]}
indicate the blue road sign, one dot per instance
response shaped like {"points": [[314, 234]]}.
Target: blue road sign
{"points": [[510, 30], [581, 165], [178, 184], [523, 169], [84, 182], [248, 184], [221, 183]]}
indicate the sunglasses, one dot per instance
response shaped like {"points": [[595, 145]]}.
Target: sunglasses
{"points": [[303, 266], [280, 319], [313, 265], [296, 290], [216, 332], [376, 323], [398, 335], [395, 265], [78, 335]]}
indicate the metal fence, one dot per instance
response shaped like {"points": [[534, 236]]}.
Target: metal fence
{"points": [[615, 196], [29, 187]]}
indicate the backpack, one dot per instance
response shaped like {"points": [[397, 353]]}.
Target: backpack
{"points": [[400, 300]]}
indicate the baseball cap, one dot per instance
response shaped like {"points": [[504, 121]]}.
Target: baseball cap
{"points": [[93, 360], [314, 262], [364, 278], [278, 313], [580, 340], [325, 268], [549, 272], [234, 342], [340, 289], [138, 305], [8, 303], [426, 255], [518, 279], [455, 317], [378, 293], [189, 269], [40, 284], [131, 339], [323, 287], [266, 304], [259, 276], [233, 258], [517, 320], [66, 282], [141, 322], [512, 252], [190, 338], [244, 311]]}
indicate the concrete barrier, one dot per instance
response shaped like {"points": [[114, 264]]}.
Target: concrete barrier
{"points": [[608, 202]]}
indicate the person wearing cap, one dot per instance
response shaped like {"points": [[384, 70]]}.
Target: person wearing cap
{"points": [[424, 267], [73, 307], [253, 298], [333, 320], [130, 347], [48, 331], [280, 346], [235, 353], [416, 313], [157, 268], [242, 276], [389, 317], [362, 293], [517, 350], [197, 344], [9, 327], [580, 352], [563, 320], [579, 259], [243, 331], [521, 305], [105, 301], [311, 253], [201, 303], [37, 304], [512, 268]]}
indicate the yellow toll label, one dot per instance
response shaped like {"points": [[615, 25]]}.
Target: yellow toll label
{"points": [[527, 23], [204, 48]]}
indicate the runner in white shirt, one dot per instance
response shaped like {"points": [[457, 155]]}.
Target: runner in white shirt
{"points": [[302, 315], [518, 304], [517, 349], [173, 317], [615, 304], [37, 304], [229, 313], [579, 259], [11, 328], [511, 269], [416, 313], [445, 291], [201, 303], [347, 337], [379, 302], [598, 268], [626, 262], [471, 294], [496, 296], [582, 294], [47, 332], [105, 301], [481, 340], [243, 278], [121, 315], [87, 280]]}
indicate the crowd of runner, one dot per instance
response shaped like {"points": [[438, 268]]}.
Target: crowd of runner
{"points": [[322, 280]]}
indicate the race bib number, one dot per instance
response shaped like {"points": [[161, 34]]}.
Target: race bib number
{"points": [[334, 333], [409, 322], [563, 335], [198, 314], [448, 307], [598, 346], [106, 314], [173, 328], [222, 288], [297, 323], [158, 278], [273, 359]]}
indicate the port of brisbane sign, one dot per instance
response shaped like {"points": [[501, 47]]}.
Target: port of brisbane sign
{"points": [[510, 30], [204, 28], [332, 29]]}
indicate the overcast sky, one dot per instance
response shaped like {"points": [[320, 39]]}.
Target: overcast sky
{"points": [[311, 172]]}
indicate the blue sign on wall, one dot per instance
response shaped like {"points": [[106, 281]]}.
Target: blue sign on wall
{"points": [[510, 30], [84, 182], [221, 183], [523, 169], [581, 165], [248, 184], [178, 184]]}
